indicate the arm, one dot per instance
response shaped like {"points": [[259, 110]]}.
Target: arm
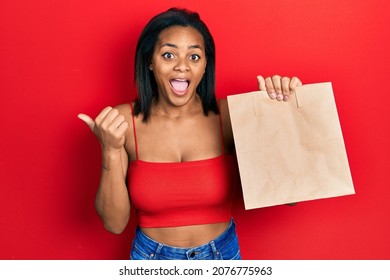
{"points": [[112, 200]]}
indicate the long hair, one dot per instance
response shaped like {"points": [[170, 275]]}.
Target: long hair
{"points": [[144, 78]]}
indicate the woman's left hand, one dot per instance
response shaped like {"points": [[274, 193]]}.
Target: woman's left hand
{"points": [[277, 87]]}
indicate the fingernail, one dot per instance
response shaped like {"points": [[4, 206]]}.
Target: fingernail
{"points": [[273, 95], [279, 97], [285, 98]]}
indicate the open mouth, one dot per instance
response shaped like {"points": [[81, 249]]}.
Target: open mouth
{"points": [[179, 86]]}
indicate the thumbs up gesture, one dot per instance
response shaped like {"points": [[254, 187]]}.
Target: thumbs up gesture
{"points": [[109, 127]]}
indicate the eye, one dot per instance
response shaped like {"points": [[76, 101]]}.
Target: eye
{"points": [[168, 55], [194, 57]]}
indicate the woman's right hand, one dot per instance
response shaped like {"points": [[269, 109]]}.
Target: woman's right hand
{"points": [[109, 127]]}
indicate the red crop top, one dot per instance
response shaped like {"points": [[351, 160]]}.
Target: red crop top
{"points": [[182, 193]]}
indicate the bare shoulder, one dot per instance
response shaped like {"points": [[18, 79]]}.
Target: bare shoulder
{"points": [[124, 109]]}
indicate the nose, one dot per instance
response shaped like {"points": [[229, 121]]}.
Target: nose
{"points": [[182, 65]]}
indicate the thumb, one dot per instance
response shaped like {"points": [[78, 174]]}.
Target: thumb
{"points": [[261, 81], [87, 119]]}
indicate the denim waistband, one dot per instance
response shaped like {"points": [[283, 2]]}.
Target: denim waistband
{"points": [[212, 249]]}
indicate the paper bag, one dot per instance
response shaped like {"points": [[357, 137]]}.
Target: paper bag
{"points": [[289, 151]]}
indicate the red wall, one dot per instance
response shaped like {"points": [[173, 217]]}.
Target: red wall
{"points": [[59, 58]]}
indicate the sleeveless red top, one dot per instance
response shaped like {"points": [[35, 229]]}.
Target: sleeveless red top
{"points": [[174, 194]]}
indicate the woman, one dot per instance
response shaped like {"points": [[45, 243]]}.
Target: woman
{"points": [[170, 154]]}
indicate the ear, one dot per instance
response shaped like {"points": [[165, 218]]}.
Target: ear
{"points": [[150, 67]]}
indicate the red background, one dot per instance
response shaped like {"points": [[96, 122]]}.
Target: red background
{"points": [[59, 58]]}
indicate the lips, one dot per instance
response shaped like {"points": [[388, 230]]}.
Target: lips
{"points": [[179, 86]]}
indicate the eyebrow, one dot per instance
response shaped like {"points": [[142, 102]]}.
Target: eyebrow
{"points": [[176, 47]]}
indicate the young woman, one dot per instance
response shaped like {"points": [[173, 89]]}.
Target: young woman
{"points": [[170, 154]]}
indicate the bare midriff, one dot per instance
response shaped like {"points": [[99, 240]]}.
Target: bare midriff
{"points": [[186, 236]]}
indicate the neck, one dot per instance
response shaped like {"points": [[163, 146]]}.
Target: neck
{"points": [[192, 107]]}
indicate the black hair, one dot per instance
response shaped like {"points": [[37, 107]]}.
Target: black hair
{"points": [[144, 78]]}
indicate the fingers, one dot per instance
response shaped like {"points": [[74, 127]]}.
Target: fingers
{"points": [[118, 125], [294, 83], [109, 127], [271, 88], [285, 84], [112, 122], [279, 88], [113, 129], [92, 123], [99, 119], [261, 81], [123, 126], [277, 84], [87, 119], [105, 119]]}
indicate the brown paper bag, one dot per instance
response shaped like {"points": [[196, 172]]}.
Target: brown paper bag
{"points": [[289, 151]]}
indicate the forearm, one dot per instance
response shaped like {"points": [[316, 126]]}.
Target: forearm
{"points": [[112, 199]]}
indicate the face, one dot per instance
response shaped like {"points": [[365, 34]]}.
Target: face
{"points": [[178, 64]]}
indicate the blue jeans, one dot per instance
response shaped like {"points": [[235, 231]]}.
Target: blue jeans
{"points": [[224, 247]]}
